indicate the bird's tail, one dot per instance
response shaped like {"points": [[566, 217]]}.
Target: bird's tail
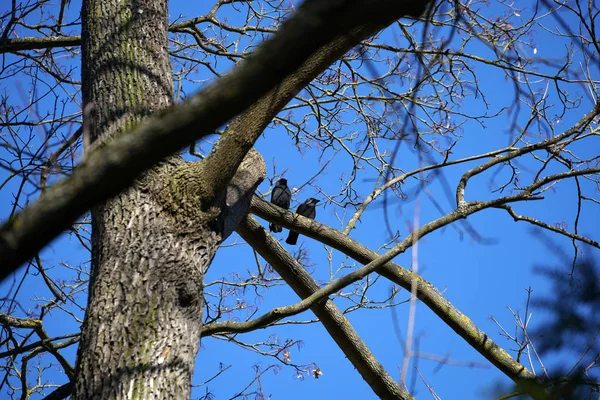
{"points": [[292, 238]]}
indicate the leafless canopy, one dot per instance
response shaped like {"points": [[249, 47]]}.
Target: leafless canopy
{"points": [[469, 108]]}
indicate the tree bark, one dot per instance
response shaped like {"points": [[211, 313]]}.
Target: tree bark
{"points": [[129, 348], [152, 243]]}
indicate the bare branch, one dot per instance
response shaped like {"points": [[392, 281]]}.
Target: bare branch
{"points": [[430, 296], [330, 316]]}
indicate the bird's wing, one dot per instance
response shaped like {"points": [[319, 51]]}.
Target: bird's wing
{"points": [[287, 196], [276, 194], [303, 209]]}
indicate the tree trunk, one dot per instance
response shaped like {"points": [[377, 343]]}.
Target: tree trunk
{"points": [[153, 243]]}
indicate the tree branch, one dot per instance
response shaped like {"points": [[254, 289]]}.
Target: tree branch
{"points": [[62, 392], [108, 170], [426, 292], [575, 129], [330, 316], [38, 43], [549, 227]]}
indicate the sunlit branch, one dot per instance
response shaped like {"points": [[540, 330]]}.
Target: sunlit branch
{"points": [[330, 316], [460, 323]]}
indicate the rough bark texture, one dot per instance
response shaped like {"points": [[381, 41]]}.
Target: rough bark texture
{"points": [[153, 243], [142, 319]]}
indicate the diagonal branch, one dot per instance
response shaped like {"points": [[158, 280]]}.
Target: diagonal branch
{"points": [[549, 227], [330, 316], [107, 171], [426, 292]]}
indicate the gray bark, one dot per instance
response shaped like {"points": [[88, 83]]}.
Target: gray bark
{"points": [[152, 243]]}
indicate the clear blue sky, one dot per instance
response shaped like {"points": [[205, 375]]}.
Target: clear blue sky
{"points": [[480, 279]]}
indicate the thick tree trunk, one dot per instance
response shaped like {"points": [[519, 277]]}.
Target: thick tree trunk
{"points": [[151, 244], [144, 314]]}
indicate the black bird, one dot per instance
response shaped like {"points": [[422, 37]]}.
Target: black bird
{"points": [[280, 196], [306, 209]]}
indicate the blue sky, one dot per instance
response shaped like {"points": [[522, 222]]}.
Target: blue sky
{"points": [[480, 279]]}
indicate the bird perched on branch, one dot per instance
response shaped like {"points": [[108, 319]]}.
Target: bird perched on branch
{"points": [[280, 196], [306, 209]]}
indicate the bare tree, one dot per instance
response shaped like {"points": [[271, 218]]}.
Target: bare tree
{"points": [[371, 96]]}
